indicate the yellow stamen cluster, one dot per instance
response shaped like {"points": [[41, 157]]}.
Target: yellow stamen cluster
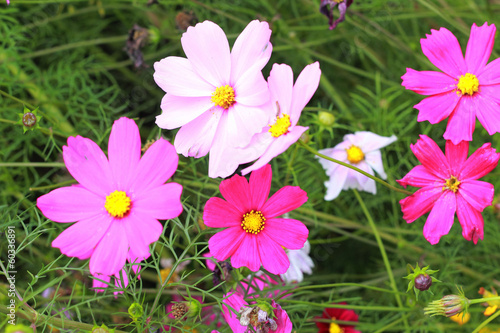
{"points": [[452, 184], [223, 96], [118, 204], [355, 154], [335, 328], [253, 222], [281, 126], [468, 84]]}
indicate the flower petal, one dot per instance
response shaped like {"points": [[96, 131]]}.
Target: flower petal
{"points": [[462, 121], [260, 185], [141, 230], [477, 193], [441, 47], [374, 160], [236, 302], [490, 74], [420, 202], [223, 244], [247, 254], [437, 107], [110, 253], [242, 123], [480, 163], [456, 156], [306, 85], [431, 157], [488, 113], [285, 200], [336, 183], [470, 219], [219, 213], [207, 49], [479, 47], [441, 217], [419, 176], [178, 111], [162, 202], [428, 82], [288, 233], [281, 86], [70, 204], [272, 255], [236, 191], [80, 239], [369, 141], [364, 183]]}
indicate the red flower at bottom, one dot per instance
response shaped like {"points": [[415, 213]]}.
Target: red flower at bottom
{"points": [[337, 314]]}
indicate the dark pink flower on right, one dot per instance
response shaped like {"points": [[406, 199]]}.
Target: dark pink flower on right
{"points": [[449, 184], [467, 87]]}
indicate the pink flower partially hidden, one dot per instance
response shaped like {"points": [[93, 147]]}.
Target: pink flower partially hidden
{"points": [[254, 234], [215, 95], [468, 87], [449, 184], [117, 202]]}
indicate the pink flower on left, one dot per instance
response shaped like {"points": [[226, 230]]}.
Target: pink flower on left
{"points": [[118, 200]]}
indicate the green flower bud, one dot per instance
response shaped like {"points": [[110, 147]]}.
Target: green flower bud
{"points": [[326, 119], [18, 328], [448, 306], [30, 120], [135, 311], [102, 329]]}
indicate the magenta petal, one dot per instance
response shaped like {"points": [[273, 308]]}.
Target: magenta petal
{"points": [[437, 107], [80, 239], [441, 217], [141, 231], [285, 200], [288, 233], [157, 165], [431, 157], [236, 302], [490, 74], [420, 202], [247, 254], [479, 47], [88, 165], [477, 193], [237, 192], [272, 255], [306, 85], [124, 151], [70, 204], [470, 219], [420, 177], [488, 113], [223, 244], [110, 254], [441, 47], [456, 156], [219, 213], [480, 163], [162, 202], [428, 82], [462, 121], [260, 185], [179, 111]]}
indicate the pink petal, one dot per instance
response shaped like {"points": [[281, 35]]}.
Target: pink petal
{"points": [[236, 302], [124, 151], [80, 239], [251, 50], [260, 185], [456, 156], [470, 219], [218, 164], [179, 111], [247, 254], [88, 165], [479, 47], [285, 200], [488, 112], [374, 160], [420, 202], [462, 121], [419, 176], [110, 254], [480, 163], [162, 202], [282, 320], [272, 255], [431, 157], [223, 244], [437, 107], [306, 85], [237, 192], [141, 230], [428, 82], [219, 213], [177, 76], [156, 166], [281, 86], [369, 141], [100, 285], [365, 184], [242, 123], [207, 49], [442, 49], [490, 74], [251, 89], [70, 204], [441, 217], [477, 193], [336, 183], [288, 233]]}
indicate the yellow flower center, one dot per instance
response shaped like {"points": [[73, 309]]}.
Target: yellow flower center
{"points": [[253, 222], [452, 184], [468, 84], [223, 96], [117, 204], [355, 155], [334, 328], [281, 126]]}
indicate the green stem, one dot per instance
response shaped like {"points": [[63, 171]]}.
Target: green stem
{"points": [[16, 99], [352, 167], [482, 300], [49, 187], [486, 322], [331, 285], [32, 164], [347, 306]]}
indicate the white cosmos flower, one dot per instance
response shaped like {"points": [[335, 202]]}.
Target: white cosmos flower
{"points": [[361, 149], [300, 263]]}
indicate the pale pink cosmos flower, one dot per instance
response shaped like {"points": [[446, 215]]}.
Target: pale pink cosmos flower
{"points": [[255, 235], [300, 263], [287, 102], [215, 95], [118, 200], [361, 149], [467, 88], [449, 184]]}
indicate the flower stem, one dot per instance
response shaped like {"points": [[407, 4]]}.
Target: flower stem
{"points": [[352, 167], [487, 321]]}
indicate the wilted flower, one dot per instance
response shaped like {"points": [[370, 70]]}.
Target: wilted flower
{"points": [[493, 305], [461, 318], [448, 306], [327, 6]]}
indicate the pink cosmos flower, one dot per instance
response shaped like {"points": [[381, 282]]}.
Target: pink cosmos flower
{"points": [[467, 88], [118, 200], [449, 184], [287, 101], [254, 234], [215, 95]]}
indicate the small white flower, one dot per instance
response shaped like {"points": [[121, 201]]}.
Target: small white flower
{"points": [[300, 263], [361, 149]]}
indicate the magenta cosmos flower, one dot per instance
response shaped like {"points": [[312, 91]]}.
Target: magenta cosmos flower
{"points": [[254, 234], [467, 88], [215, 95], [449, 184], [117, 202]]}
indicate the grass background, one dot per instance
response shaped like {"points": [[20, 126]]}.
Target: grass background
{"points": [[68, 59]]}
